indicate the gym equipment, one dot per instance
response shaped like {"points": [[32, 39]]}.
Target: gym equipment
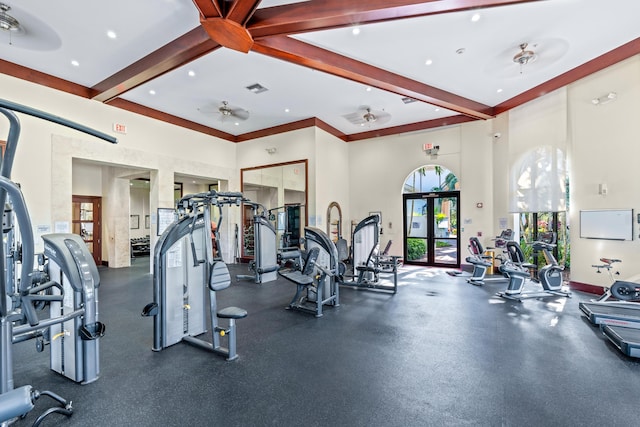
{"points": [[66, 279], [618, 320], [315, 281], [264, 265], [480, 260], [549, 276], [185, 275], [367, 265], [607, 264]]}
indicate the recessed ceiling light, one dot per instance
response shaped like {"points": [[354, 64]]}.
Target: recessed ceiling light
{"points": [[355, 31], [237, 123], [193, 182], [75, 63], [112, 34], [460, 51], [428, 62], [475, 17], [437, 109], [286, 110], [191, 73], [499, 90], [369, 89], [152, 92]]}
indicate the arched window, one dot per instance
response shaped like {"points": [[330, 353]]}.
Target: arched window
{"points": [[430, 178]]}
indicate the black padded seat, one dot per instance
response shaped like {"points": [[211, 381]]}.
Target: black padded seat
{"points": [[304, 277], [232, 313], [297, 277]]}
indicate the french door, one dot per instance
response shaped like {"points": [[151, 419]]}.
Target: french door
{"points": [[431, 229]]}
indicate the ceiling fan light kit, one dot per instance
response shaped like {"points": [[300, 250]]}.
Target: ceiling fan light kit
{"points": [[7, 22], [525, 56]]}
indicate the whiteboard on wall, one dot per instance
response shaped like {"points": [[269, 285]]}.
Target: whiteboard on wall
{"points": [[608, 224]]}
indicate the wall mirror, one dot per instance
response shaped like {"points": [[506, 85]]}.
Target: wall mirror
{"points": [[282, 189]]}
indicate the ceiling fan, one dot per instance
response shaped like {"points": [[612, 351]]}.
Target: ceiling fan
{"points": [[366, 116], [226, 111]]}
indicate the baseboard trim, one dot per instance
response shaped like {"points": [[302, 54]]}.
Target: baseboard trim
{"points": [[585, 287]]}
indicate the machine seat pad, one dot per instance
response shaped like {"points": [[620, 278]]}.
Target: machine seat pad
{"points": [[368, 268], [232, 313], [297, 277], [478, 261], [219, 278]]}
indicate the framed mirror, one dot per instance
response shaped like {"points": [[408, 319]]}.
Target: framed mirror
{"points": [[282, 189]]}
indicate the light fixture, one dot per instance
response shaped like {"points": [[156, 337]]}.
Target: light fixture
{"points": [[7, 22], [271, 150], [428, 62], [75, 63], [525, 56], [604, 99], [369, 117], [475, 17], [112, 34], [355, 31], [191, 73]]}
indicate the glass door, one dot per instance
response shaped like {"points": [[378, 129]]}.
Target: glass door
{"points": [[431, 229]]}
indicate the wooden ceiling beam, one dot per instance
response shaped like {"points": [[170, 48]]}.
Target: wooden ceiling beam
{"points": [[297, 52], [182, 50], [318, 15], [242, 10], [209, 8], [227, 28]]}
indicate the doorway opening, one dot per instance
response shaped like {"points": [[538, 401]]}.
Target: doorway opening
{"points": [[431, 208]]}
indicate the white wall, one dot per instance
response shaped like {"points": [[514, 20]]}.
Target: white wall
{"points": [[605, 148]]}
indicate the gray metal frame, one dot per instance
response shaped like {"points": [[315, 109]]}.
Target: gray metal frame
{"points": [[19, 296]]}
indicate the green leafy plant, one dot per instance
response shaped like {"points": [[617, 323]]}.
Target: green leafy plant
{"points": [[416, 248]]}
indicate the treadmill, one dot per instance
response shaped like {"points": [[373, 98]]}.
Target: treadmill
{"points": [[626, 339], [618, 320], [625, 314]]}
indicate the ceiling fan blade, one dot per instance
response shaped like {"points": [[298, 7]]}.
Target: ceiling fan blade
{"points": [[356, 117], [240, 113]]}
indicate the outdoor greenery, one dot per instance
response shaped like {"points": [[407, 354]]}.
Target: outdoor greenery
{"points": [[416, 248]]}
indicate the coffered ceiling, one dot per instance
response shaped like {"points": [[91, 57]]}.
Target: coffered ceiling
{"points": [[356, 69]]}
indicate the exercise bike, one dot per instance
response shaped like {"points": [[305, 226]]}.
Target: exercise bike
{"points": [[607, 264], [550, 276]]}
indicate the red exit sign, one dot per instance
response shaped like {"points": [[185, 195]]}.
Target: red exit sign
{"points": [[119, 128]]}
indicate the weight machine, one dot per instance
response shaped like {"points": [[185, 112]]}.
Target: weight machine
{"points": [[66, 280], [264, 265], [367, 264], [186, 277], [315, 280]]}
